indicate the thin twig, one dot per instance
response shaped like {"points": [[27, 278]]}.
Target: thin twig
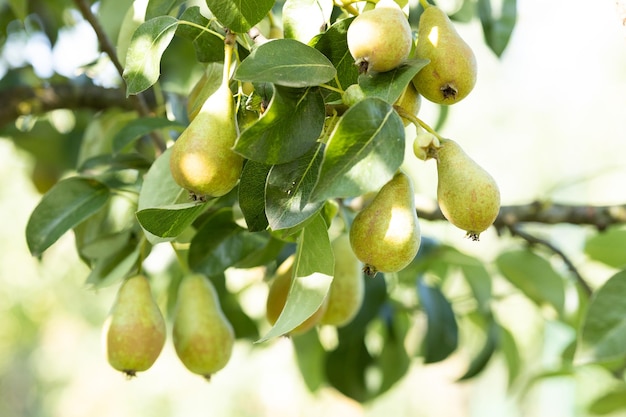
{"points": [[534, 240], [107, 47]]}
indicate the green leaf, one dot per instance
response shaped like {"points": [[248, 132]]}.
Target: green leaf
{"points": [[610, 402], [252, 195], [243, 325], [480, 361], [288, 190], [115, 267], [286, 62], [364, 151], [608, 247], [603, 335], [304, 19], [498, 30], [479, 281], [442, 331], [143, 60], [288, 129], [167, 222], [345, 368], [312, 274], [508, 347], [393, 360], [389, 85], [239, 16], [208, 46], [534, 276], [220, 243], [64, 206], [158, 8], [311, 356], [334, 45], [137, 128]]}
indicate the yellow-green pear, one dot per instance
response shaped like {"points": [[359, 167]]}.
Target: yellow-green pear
{"points": [[385, 235], [467, 195], [202, 160], [451, 73], [380, 39], [347, 289], [134, 332], [410, 102], [277, 298], [202, 335]]}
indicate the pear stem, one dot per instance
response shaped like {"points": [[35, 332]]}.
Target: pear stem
{"points": [[416, 121], [347, 6], [425, 4], [229, 42], [331, 88]]}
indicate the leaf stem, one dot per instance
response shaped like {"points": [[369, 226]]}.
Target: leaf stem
{"points": [[347, 6], [425, 4], [331, 88], [202, 28]]}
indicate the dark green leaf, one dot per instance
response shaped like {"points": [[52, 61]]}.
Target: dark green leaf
{"points": [[608, 247], [243, 325], [208, 46], [311, 356], [393, 360], [508, 347], [334, 44], [603, 335], [534, 276], [364, 151], [442, 330], [312, 274], [480, 361], [288, 190], [497, 30], [64, 206], [136, 128], [610, 402], [286, 62], [167, 222], [239, 16], [345, 368], [143, 60], [479, 281], [389, 85], [220, 243], [158, 8], [115, 267], [288, 129], [112, 162], [252, 195]]}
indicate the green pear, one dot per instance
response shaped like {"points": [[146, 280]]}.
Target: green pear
{"points": [[451, 73], [202, 160], [347, 289], [134, 330], [380, 39], [467, 195], [203, 337], [277, 298], [385, 235]]}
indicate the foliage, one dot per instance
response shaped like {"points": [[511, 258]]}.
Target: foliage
{"points": [[308, 157]]}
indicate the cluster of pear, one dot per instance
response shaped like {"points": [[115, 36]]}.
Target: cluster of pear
{"points": [[385, 235], [135, 330], [344, 298]]}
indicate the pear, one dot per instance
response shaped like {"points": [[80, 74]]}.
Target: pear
{"points": [[380, 39], [451, 73], [467, 195], [202, 335], [277, 298], [202, 160], [347, 289], [410, 102], [134, 330], [385, 235]]}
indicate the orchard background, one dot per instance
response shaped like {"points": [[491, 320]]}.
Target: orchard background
{"points": [[540, 335]]}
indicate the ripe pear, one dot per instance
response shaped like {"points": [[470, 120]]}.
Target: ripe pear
{"points": [[380, 39], [277, 298], [347, 289], [385, 235], [451, 73], [467, 195], [134, 330], [203, 337], [410, 101], [202, 160]]}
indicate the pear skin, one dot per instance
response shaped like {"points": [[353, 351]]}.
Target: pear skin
{"points": [[380, 39], [385, 235], [451, 73], [203, 337], [202, 160], [410, 101], [347, 289], [277, 298], [467, 195], [135, 329]]}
